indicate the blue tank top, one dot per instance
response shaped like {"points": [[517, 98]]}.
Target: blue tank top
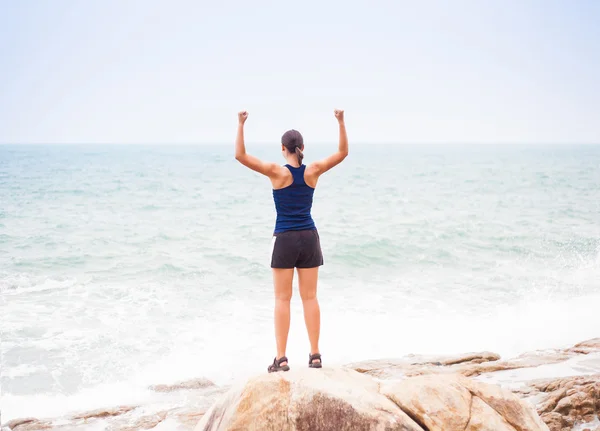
{"points": [[293, 203]]}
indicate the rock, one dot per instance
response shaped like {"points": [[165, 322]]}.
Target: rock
{"points": [[556, 422], [434, 402], [326, 399], [530, 360], [519, 414], [471, 358], [342, 399], [566, 402], [485, 418], [446, 402], [587, 347], [28, 424], [145, 422], [187, 385], [414, 365], [189, 419], [433, 392], [104, 413], [470, 364]]}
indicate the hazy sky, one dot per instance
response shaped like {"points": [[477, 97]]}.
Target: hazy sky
{"points": [[132, 71]]}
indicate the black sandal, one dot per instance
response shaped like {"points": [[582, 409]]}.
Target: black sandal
{"points": [[276, 365], [312, 359]]}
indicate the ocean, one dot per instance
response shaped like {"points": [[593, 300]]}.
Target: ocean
{"points": [[125, 266]]}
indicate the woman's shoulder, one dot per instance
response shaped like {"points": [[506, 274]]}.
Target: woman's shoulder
{"points": [[311, 175], [312, 169], [283, 177]]}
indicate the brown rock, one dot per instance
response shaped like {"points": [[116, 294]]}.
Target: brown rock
{"points": [[342, 399], [146, 422], [447, 402], [520, 415], [415, 365], [525, 361], [189, 419], [187, 385], [485, 418], [434, 402], [471, 358], [564, 402], [28, 424], [556, 422], [470, 364], [586, 347], [327, 399], [104, 413]]}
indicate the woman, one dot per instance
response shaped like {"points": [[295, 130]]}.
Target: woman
{"points": [[295, 238]]}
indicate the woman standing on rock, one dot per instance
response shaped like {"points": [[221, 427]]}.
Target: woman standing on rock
{"points": [[295, 239]]}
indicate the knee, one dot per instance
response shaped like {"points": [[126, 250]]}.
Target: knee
{"points": [[283, 297], [308, 296]]}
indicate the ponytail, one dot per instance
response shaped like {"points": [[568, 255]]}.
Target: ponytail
{"points": [[299, 155], [293, 142]]}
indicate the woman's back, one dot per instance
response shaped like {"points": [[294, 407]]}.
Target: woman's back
{"points": [[294, 203]]}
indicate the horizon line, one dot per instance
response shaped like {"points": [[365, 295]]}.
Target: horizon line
{"points": [[222, 143]]}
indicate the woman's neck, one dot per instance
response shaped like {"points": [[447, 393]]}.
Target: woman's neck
{"points": [[293, 161]]}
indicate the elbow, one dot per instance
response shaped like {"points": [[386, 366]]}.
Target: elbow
{"points": [[344, 154], [239, 157]]}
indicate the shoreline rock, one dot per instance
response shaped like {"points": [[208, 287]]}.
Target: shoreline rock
{"points": [[470, 364], [341, 399], [566, 402], [563, 403]]}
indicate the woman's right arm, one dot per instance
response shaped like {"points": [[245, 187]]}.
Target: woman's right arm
{"points": [[336, 158], [270, 170]]}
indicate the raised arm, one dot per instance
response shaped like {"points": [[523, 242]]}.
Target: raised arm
{"points": [[336, 158], [254, 163]]}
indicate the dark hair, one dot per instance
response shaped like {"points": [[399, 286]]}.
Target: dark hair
{"points": [[293, 141]]}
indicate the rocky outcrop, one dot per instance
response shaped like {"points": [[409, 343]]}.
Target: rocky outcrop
{"points": [[586, 347], [103, 413], [469, 365], [567, 402], [28, 424], [145, 422], [341, 399], [562, 403], [413, 393]]}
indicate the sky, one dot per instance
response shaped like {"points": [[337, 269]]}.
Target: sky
{"points": [[150, 71]]}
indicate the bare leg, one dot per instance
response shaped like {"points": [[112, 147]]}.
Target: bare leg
{"points": [[307, 278], [282, 279]]}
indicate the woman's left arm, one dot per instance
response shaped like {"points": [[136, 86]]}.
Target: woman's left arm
{"points": [[269, 169]]}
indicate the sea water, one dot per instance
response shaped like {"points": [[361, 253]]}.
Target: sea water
{"points": [[127, 266]]}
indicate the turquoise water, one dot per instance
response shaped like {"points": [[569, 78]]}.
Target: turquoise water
{"points": [[126, 266]]}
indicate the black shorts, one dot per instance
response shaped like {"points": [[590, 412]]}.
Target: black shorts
{"points": [[297, 249]]}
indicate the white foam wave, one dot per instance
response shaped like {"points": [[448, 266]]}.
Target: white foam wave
{"points": [[18, 284], [22, 370], [101, 396], [233, 339]]}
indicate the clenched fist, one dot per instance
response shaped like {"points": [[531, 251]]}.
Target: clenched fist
{"points": [[339, 114], [242, 116]]}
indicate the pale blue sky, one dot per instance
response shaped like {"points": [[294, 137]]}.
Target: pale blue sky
{"points": [[149, 71]]}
